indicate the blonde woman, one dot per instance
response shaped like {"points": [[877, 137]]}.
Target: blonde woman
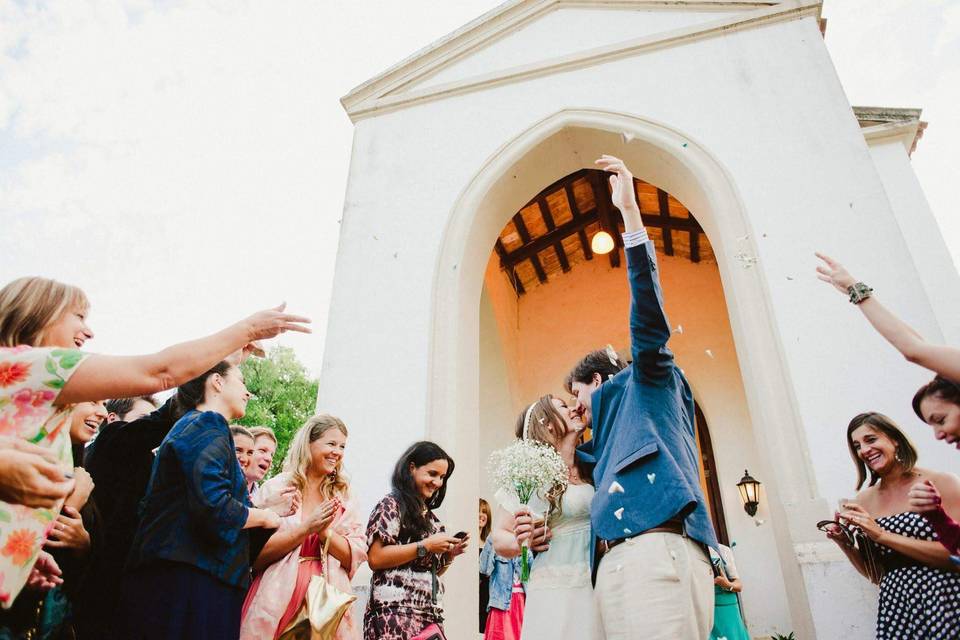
{"points": [[43, 326], [314, 467], [559, 596]]}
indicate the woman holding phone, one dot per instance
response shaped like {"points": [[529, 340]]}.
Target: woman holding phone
{"points": [[409, 549]]}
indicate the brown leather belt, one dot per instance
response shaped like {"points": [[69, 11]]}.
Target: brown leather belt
{"points": [[671, 526]]}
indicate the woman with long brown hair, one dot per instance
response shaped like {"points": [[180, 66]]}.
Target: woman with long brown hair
{"points": [[919, 588], [291, 557], [559, 595]]}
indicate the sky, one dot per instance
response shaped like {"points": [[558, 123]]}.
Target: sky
{"points": [[185, 163]]}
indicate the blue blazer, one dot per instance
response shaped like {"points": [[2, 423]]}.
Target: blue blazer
{"points": [[644, 437]]}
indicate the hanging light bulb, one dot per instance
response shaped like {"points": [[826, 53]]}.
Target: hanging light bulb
{"points": [[602, 243]]}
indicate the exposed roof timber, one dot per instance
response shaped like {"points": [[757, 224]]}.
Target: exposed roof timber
{"points": [[373, 96], [883, 123]]}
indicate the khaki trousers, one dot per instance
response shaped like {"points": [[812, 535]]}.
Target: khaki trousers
{"points": [[656, 586]]}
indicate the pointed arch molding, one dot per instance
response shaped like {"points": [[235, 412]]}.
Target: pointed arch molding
{"points": [[397, 87], [453, 395]]}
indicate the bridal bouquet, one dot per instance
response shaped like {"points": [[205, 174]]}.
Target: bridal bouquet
{"points": [[525, 472]]}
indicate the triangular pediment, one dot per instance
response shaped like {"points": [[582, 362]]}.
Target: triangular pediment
{"points": [[524, 38]]}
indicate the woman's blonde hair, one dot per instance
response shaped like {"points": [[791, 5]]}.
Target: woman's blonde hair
{"points": [[298, 460], [28, 306]]}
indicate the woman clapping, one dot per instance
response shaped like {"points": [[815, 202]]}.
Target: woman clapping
{"points": [[292, 556]]}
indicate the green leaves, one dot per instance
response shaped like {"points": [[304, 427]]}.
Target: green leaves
{"points": [[285, 396]]}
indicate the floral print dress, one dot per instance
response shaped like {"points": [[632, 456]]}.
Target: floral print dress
{"points": [[401, 603], [30, 381]]}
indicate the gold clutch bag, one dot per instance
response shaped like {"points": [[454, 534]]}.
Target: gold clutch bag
{"points": [[322, 610]]}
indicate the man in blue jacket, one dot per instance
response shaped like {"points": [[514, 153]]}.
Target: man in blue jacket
{"points": [[651, 571]]}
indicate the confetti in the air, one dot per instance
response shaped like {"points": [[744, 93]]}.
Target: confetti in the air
{"points": [[679, 329], [618, 513], [627, 531], [651, 478], [709, 353], [615, 487], [627, 136], [746, 259]]}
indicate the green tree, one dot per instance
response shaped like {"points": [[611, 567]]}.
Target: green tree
{"points": [[284, 396]]}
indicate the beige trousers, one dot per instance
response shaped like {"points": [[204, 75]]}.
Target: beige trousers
{"points": [[656, 586]]}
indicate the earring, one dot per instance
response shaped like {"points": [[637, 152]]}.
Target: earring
{"points": [[897, 455]]}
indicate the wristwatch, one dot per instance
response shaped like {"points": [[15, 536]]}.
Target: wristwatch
{"points": [[421, 550]]}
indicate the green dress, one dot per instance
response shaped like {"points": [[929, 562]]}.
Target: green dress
{"points": [[727, 623]]}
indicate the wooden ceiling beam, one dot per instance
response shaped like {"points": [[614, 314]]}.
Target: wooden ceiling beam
{"points": [[575, 212], [551, 225], [525, 237], [548, 239], [511, 271], [604, 206], [664, 206]]}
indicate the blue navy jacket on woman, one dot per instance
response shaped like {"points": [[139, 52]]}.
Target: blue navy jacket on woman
{"points": [[644, 437], [196, 503]]}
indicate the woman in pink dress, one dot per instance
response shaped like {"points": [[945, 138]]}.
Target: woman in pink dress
{"points": [[291, 556]]}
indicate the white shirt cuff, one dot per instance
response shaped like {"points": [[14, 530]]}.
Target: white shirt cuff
{"points": [[635, 238]]}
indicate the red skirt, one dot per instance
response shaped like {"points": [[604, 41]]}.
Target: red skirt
{"points": [[506, 625]]}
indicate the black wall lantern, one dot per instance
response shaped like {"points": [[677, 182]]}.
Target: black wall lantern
{"points": [[750, 493]]}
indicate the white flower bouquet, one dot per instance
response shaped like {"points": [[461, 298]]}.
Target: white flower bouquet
{"points": [[526, 471]]}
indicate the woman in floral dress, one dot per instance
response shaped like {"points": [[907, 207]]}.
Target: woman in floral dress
{"points": [[409, 549], [43, 325]]}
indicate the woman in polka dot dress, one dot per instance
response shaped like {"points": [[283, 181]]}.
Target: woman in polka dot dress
{"points": [[920, 588]]}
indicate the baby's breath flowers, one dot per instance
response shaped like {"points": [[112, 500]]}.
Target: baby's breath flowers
{"points": [[527, 468]]}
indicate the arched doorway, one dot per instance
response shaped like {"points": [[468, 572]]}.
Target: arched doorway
{"points": [[562, 297], [558, 146]]}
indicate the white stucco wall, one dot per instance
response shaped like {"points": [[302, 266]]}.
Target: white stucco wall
{"points": [[764, 104]]}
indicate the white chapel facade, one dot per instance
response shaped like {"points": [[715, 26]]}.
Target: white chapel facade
{"points": [[465, 287]]}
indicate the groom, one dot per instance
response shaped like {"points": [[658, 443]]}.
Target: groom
{"points": [[651, 570]]}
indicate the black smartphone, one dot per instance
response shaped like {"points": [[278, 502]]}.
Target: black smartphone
{"points": [[460, 534]]}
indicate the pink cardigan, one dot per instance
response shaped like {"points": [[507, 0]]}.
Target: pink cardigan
{"points": [[271, 590]]}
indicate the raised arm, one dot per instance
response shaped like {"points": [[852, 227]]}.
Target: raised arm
{"points": [[101, 377], [649, 329], [941, 359]]}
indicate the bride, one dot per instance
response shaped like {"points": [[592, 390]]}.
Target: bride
{"points": [[559, 595]]}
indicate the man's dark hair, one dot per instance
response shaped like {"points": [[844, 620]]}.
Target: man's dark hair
{"points": [[939, 387], [598, 361], [122, 406]]}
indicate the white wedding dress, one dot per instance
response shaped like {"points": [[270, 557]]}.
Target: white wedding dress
{"points": [[560, 603]]}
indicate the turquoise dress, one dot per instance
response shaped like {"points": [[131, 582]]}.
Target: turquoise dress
{"points": [[727, 622]]}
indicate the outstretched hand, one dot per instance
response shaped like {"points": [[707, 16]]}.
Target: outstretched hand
{"points": [[621, 185], [834, 273], [270, 323]]}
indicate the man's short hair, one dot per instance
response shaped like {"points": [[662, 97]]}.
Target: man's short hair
{"points": [[598, 361], [122, 406], [267, 432]]}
